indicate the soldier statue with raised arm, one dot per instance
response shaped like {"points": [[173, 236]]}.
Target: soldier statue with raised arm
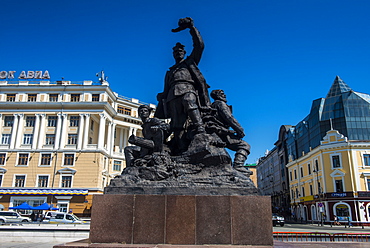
{"points": [[185, 90]]}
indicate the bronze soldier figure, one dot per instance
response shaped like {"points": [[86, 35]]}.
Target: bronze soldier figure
{"points": [[185, 89], [223, 120], [154, 131]]}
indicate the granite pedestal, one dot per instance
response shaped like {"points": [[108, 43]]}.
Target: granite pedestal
{"points": [[181, 219]]}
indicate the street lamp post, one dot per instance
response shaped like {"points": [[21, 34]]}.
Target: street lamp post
{"points": [[320, 205]]}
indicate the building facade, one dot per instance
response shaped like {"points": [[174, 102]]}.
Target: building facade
{"points": [[332, 179], [317, 192], [272, 175], [61, 142]]}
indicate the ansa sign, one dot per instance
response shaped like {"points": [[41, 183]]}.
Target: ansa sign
{"points": [[24, 75]]}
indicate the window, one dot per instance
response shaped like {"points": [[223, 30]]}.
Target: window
{"points": [[342, 211], [50, 139], [5, 139], [42, 181], [74, 120], [66, 182], [69, 217], [75, 97], [63, 207], [92, 125], [53, 97], [296, 193], [317, 165], [368, 185], [366, 159], [8, 121], [52, 121], [72, 139], [27, 139], [95, 97], [117, 165], [10, 97], [123, 110], [1, 180], [19, 180], [30, 121], [303, 193], [290, 175], [2, 158], [23, 159], [32, 97], [309, 169], [295, 174], [301, 171], [69, 159], [311, 190], [335, 161], [339, 186], [45, 159]]}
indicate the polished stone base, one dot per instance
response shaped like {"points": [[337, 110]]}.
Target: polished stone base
{"points": [[181, 219]]}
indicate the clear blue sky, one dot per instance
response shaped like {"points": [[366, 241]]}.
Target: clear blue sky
{"points": [[272, 58]]}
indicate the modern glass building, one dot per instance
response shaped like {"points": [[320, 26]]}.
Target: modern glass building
{"points": [[327, 161], [342, 109]]}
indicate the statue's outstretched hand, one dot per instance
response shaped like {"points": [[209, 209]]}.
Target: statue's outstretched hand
{"points": [[184, 23]]}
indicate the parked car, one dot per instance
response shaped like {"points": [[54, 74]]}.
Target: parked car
{"points": [[2, 220], [277, 220], [13, 217], [61, 217]]}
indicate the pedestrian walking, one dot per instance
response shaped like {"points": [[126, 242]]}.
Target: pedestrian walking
{"points": [[336, 222]]}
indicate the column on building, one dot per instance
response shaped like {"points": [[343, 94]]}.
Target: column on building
{"points": [[109, 137], [112, 140], [101, 131], [42, 131], [64, 134], [80, 131], [36, 131], [18, 140], [86, 131], [58, 131], [1, 125], [121, 139]]}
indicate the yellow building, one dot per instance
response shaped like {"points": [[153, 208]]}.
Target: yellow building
{"points": [[61, 142], [332, 179]]}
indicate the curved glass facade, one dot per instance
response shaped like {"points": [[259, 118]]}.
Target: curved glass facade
{"points": [[343, 109]]}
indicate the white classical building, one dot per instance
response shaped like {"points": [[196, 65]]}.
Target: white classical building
{"points": [[61, 142]]}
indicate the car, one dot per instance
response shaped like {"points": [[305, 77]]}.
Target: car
{"points": [[277, 220], [13, 217], [2, 220], [61, 217]]}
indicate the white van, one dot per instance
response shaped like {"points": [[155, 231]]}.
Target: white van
{"points": [[61, 217]]}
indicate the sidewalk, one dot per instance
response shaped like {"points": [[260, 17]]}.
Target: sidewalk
{"points": [[326, 228]]}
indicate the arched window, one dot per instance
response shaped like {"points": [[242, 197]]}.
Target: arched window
{"points": [[313, 212], [342, 211]]}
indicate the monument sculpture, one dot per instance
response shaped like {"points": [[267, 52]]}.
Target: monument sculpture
{"points": [[180, 185], [194, 159]]}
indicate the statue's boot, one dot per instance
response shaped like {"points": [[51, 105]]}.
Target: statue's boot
{"points": [[239, 161], [195, 118]]}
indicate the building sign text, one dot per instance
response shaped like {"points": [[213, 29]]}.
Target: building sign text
{"points": [[25, 75]]}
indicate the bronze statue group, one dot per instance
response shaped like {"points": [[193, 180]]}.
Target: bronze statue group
{"points": [[185, 102]]}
